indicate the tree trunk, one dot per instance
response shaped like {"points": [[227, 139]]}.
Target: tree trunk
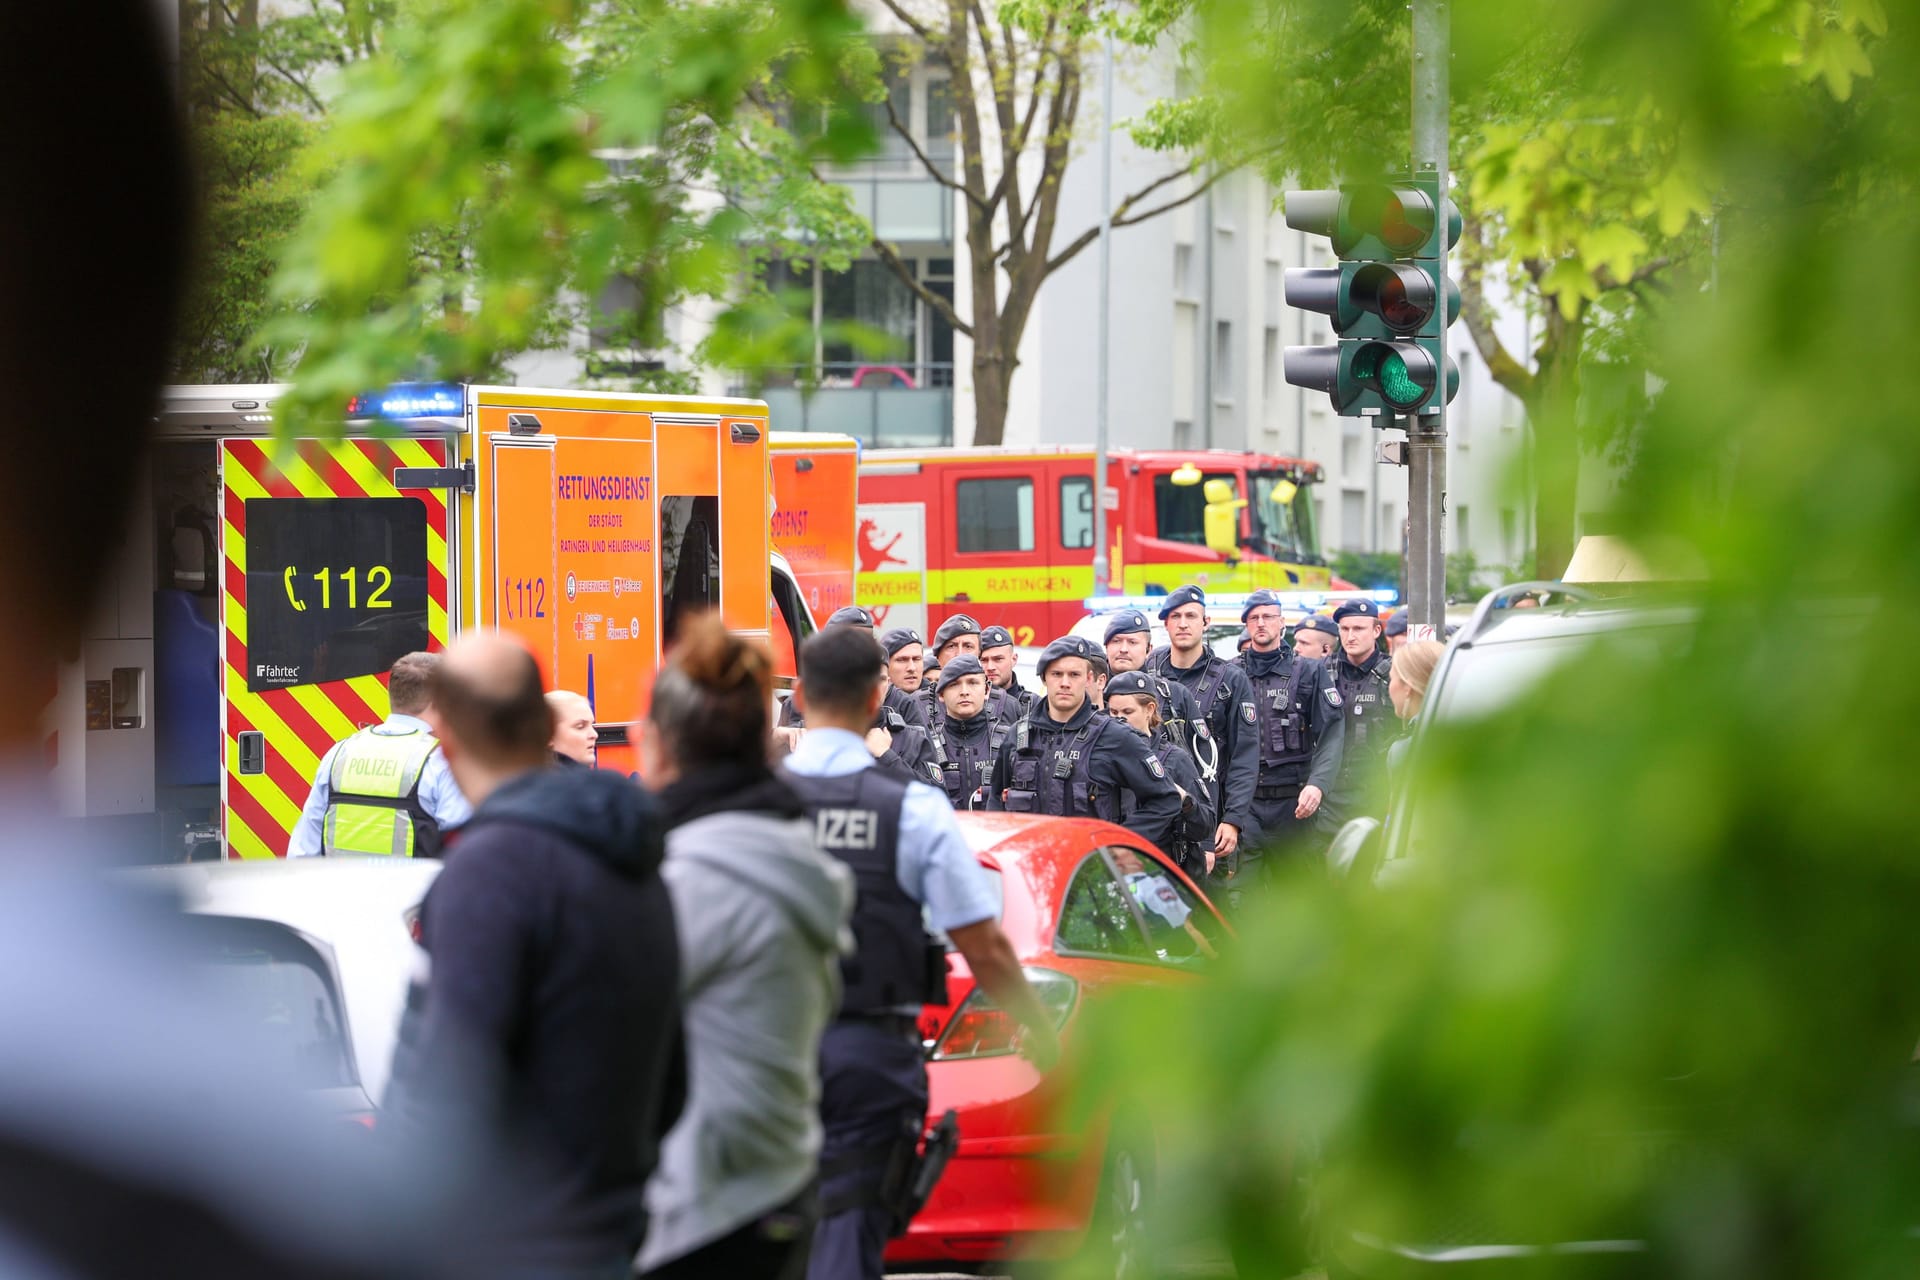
{"points": [[989, 397], [1552, 411]]}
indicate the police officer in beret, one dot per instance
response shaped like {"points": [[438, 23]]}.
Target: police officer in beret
{"points": [[1129, 645], [958, 635], [1224, 700], [906, 657], [901, 749], [966, 737], [1070, 760], [1315, 637], [791, 717], [1360, 672], [998, 657], [1395, 631], [1298, 729], [1133, 698]]}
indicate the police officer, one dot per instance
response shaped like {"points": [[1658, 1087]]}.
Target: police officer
{"points": [[958, 635], [906, 660], [910, 863], [1315, 637], [1133, 698], [387, 789], [1129, 644], [1396, 631], [1070, 760], [1224, 699], [1361, 673], [997, 656], [791, 717], [966, 738], [1298, 729]]}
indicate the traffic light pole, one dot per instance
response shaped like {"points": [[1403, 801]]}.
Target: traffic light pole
{"points": [[1427, 433]]}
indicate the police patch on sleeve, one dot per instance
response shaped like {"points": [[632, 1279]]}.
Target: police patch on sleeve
{"points": [[1153, 767], [1248, 714], [1333, 695]]}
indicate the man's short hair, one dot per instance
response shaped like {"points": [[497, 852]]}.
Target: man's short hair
{"points": [[499, 716], [840, 668], [407, 683]]}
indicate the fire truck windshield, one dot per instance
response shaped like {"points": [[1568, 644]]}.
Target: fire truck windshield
{"points": [[1283, 518]]}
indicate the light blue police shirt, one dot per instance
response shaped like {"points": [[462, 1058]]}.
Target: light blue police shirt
{"points": [[935, 866], [439, 794]]}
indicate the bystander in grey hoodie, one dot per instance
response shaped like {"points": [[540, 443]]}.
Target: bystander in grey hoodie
{"points": [[762, 921]]}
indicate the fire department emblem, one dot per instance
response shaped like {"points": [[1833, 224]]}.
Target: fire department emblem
{"points": [[572, 587]]}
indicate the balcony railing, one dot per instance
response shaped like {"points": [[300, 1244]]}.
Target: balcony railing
{"points": [[881, 405]]}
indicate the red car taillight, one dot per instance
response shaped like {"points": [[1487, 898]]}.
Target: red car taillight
{"points": [[980, 1028]]}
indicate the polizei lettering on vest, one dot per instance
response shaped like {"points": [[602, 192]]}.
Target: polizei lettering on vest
{"points": [[846, 828]]}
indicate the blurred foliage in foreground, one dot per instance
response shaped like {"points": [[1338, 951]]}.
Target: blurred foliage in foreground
{"points": [[1660, 972]]}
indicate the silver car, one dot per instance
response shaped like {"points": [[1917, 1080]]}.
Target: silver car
{"points": [[315, 956]]}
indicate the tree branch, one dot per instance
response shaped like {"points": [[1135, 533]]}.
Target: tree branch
{"points": [[886, 254], [926, 161], [1501, 365], [1124, 217], [911, 23]]}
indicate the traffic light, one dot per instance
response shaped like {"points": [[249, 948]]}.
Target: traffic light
{"points": [[1389, 299]]}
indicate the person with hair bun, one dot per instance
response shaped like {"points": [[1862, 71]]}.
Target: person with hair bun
{"points": [[762, 920]]}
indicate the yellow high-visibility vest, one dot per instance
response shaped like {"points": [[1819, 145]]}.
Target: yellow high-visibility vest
{"points": [[373, 805]]}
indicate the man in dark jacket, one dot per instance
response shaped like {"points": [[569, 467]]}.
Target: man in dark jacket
{"points": [[551, 1011], [966, 738]]}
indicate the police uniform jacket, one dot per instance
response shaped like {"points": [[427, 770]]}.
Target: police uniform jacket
{"points": [[1193, 830], [1224, 700], [1313, 702], [1372, 724], [1113, 761], [964, 752]]}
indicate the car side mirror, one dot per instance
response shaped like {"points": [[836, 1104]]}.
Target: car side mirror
{"points": [[1357, 845]]}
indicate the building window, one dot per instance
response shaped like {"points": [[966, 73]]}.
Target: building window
{"points": [[1462, 528], [1183, 271], [1270, 365], [1349, 455], [1076, 512], [1223, 360], [993, 515], [1353, 519], [1182, 434]]}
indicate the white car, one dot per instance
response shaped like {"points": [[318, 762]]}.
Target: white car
{"points": [[316, 954]]}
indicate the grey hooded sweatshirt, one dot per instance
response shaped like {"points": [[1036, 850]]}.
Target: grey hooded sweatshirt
{"points": [[762, 920]]}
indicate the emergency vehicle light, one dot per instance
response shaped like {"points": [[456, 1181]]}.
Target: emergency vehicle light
{"points": [[411, 400], [1306, 599]]}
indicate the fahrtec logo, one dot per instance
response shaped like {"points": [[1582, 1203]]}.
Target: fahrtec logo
{"points": [[265, 671]]}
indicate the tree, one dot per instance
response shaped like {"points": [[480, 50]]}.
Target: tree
{"points": [[468, 210], [254, 91], [1017, 121], [1649, 973], [1584, 201]]}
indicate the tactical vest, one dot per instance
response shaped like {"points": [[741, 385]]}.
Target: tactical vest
{"points": [[967, 768], [856, 818], [373, 800], [1207, 696], [1052, 771], [1280, 702], [1368, 708]]}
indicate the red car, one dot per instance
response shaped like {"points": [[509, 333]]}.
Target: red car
{"points": [[1088, 906]]}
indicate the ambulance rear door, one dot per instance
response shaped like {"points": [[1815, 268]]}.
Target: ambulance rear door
{"points": [[333, 571]]}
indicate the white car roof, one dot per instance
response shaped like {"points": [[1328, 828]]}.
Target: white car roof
{"points": [[358, 907]]}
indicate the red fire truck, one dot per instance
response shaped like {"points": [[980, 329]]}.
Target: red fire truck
{"points": [[1006, 535]]}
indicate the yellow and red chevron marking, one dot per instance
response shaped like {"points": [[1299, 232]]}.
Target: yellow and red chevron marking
{"points": [[300, 723]]}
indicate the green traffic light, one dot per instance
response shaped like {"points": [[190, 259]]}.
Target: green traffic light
{"points": [[1397, 383]]}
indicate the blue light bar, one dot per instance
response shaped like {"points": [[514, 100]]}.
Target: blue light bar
{"points": [[1238, 601], [411, 400]]}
